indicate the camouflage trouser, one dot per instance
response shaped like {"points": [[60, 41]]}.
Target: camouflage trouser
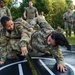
{"points": [[8, 53], [68, 28]]}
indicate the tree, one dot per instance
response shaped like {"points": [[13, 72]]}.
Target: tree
{"points": [[55, 16], [69, 3], [8, 3], [53, 9]]}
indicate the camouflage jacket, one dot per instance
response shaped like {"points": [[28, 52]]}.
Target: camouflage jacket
{"points": [[73, 16], [14, 40], [41, 22], [25, 24], [5, 12], [68, 17], [39, 43]]}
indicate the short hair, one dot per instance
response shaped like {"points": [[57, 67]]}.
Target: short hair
{"points": [[3, 20]]}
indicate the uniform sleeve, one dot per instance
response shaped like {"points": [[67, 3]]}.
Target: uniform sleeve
{"points": [[9, 13], [64, 16], [57, 55], [25, 35]]}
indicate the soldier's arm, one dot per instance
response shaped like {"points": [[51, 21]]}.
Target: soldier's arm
{"points": [[24, 14], [25, 36], [9, 13], [72, 18], [58, 55], [64, 16], [24, 41], [36, 11]]}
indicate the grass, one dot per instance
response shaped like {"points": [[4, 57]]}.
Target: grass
{"points": [[71, 39]]}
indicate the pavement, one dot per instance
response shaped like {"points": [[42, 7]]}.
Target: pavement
{"points": [[44, 65], [69, 56]]}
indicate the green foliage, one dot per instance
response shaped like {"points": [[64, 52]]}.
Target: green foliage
{"points": [[56, 14], [15, 13], [53, 9], [43, 5], [69, 3], [71, 40], [8, 3]]}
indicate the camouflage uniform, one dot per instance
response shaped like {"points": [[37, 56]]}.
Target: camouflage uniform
{"points": [[5, 12], [73, 17], [59, 30], [25, 24], [41, 22], [30, 13], [39, 43], [68, 23], [13, 41]]}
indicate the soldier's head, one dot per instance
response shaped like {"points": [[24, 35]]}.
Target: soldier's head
{"points": [[69, 9], [56, 39], [58, 27], [2, 3], [7, 23], [41, 13], [30, 4]]}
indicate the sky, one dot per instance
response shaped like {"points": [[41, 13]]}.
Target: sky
{"points": [[73, 2], [19, 0]]}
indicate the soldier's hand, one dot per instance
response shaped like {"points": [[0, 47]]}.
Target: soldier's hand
{"points": [[24, 51], [1, 62], [61, 68]]}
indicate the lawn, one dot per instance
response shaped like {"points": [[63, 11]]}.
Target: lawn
{"points": [[71, 39]]}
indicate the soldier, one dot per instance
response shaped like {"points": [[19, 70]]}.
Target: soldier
{"points": [[14, 39], [30, 12], [45, 40], [41, 22], [73, 20], [68, 22], [25, 24], [42, 15], [4, 11], [59, 29]]}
